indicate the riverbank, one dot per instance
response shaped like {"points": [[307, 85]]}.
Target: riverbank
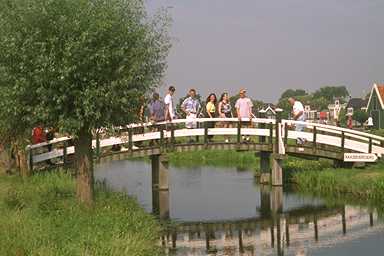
{"points": [[40, 216], [241, 159], [356, 183], [218, 158]]}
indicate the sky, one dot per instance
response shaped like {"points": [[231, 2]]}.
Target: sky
{"points": [[268, 46]]}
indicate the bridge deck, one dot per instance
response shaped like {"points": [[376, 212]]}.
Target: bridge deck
{"points": [[323, 141]]}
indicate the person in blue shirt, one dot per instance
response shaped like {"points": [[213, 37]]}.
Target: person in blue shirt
{"points": [[191, 107]]}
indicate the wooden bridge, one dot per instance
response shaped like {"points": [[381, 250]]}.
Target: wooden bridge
{"points": [[273, 139]]}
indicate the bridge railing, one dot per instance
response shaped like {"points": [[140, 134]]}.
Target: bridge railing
{"points": [[339, 137], [134, 137]]}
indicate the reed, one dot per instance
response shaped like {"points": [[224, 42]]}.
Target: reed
{"points": [[365, 184]]}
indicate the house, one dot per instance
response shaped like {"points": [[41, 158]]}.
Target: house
{"points": [[375, 107], [334, 110], [268, 110], [356, 104], [309, 113]]}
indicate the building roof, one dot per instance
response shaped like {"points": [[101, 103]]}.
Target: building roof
{"points": [[268, 107], [357, 103], [379, 89]]}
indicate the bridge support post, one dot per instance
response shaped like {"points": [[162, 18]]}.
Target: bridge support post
{"points": [[276, 200], [277, 159], [160, 203], [160, 173], [265, 167], [265, 201], [277, 170], [160, 186]]}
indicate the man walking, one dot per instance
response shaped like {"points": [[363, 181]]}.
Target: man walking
{"points": [[298, 115], [191, 107], [244, 109], [170, 112]]}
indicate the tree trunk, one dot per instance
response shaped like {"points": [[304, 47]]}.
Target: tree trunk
{"points": [[17, 159], [23, 164], [6, 161], [84, 167]]}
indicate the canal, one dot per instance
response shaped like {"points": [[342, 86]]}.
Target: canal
{"points": [[224, 211]]}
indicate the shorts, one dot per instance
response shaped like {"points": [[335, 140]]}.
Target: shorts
{"points": [[191, 122]]}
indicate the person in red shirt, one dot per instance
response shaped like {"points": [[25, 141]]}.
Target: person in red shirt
{"points": [[38, 134]]}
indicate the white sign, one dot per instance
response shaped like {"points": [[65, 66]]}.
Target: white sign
{"points": [[359, 157]]}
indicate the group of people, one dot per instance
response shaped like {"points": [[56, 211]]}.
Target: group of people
{"points": [[192, 108], [165, 110]]}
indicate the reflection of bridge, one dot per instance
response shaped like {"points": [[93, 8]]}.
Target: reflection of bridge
{"points": [[291, 232], [269, 137]]}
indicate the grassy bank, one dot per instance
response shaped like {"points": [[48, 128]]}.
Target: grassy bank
{"points": [[310, 176], [218, 158], [40, 216], [243, 159], [361, 184]]}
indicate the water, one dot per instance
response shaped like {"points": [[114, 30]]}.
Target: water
{"points": [[223, 211]]}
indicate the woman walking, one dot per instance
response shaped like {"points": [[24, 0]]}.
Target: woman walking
{"points": [[225, 111], [211, 111]]}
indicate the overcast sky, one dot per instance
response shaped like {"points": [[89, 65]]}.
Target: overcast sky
{"points": [[268, 46]]}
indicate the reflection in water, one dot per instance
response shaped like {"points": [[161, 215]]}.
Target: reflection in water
{"points": [[224, 212], [296, 233]]}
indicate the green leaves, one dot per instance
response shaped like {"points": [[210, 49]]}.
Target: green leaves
{"points": [[72, 63], [360, 116]]}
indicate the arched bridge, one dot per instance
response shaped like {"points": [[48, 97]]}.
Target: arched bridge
{"points": [[267, 136]]}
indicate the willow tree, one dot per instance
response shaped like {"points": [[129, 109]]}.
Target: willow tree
{"points": [[78, 65]]}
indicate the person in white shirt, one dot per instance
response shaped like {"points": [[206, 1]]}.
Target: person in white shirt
{"points": [[298, 115], [170, 113], [370, 122]]}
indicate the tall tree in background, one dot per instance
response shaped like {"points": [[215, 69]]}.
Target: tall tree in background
{"points": [[78, 65], [293, 93], [331, 93]]}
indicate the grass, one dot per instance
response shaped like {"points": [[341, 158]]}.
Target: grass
{"points": [[379, 132], [218, 158], [362, 184], [40, 216]]}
